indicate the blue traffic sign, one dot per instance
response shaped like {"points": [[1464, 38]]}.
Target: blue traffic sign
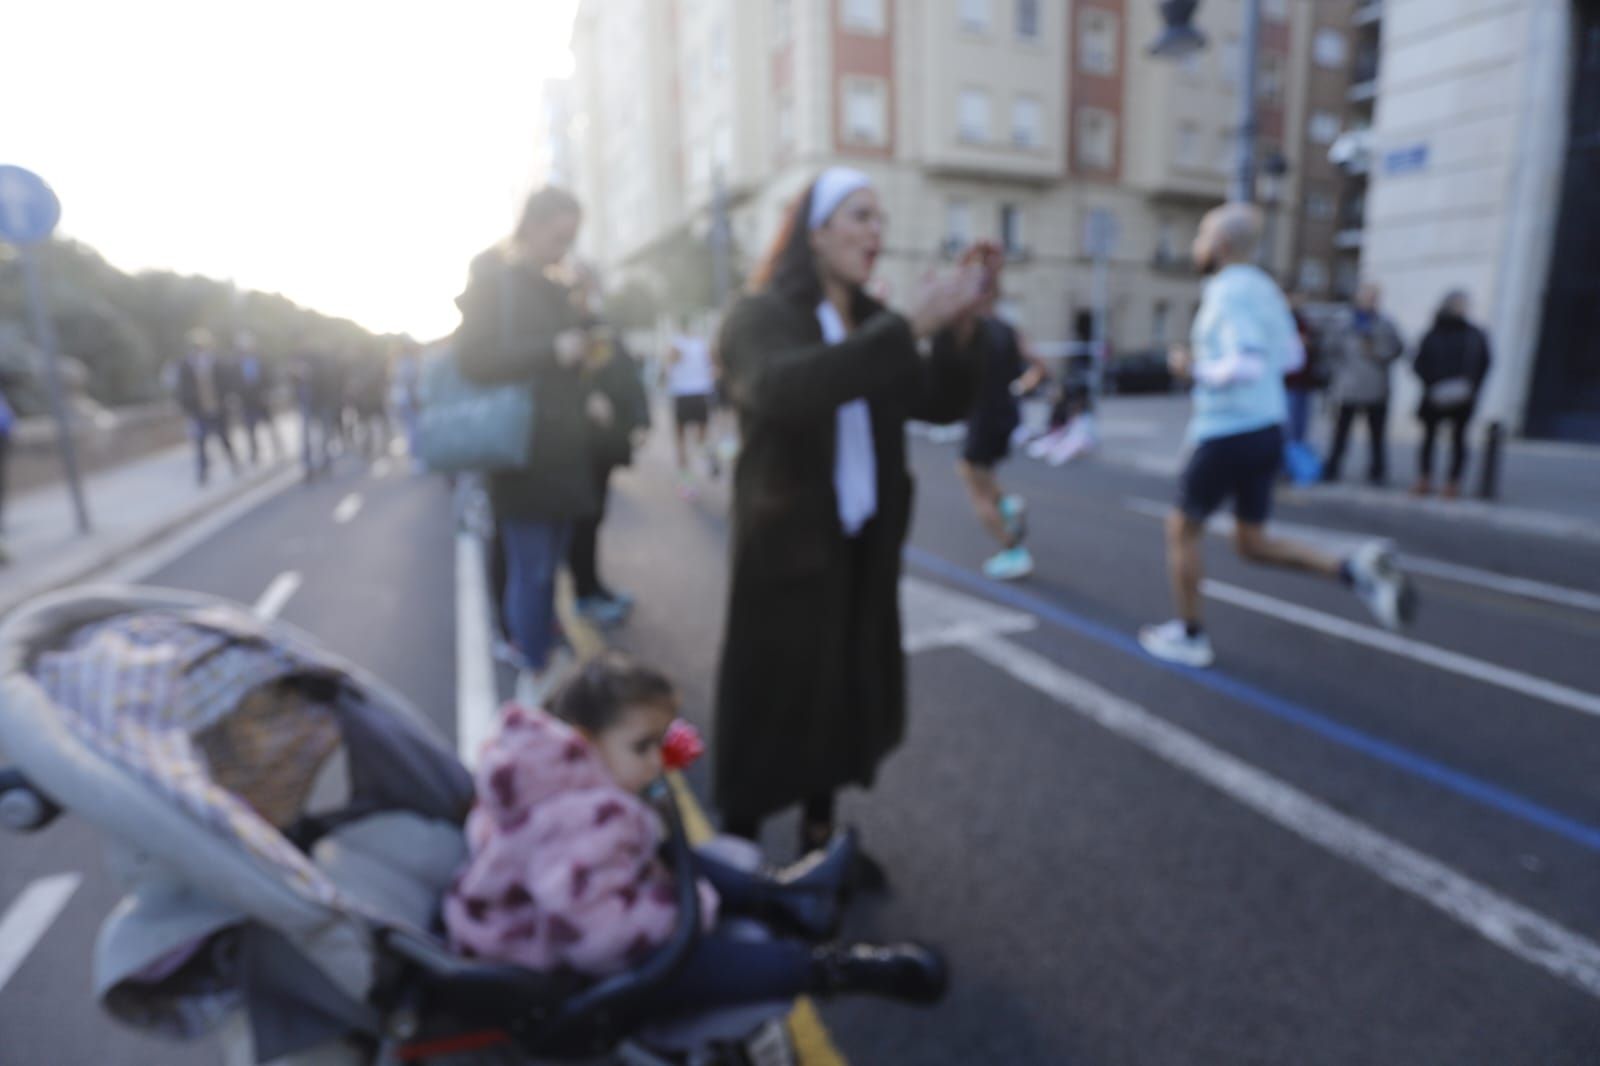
{"points": [[29, 209]]}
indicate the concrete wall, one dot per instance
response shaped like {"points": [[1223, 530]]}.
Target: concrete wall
{"points": [[1480, 87]]}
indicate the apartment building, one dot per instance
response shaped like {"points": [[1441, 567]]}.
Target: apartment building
{"points": [[1485, 176], [1011, 120]]}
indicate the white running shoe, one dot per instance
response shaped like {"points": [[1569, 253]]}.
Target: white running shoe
{"points": [[1047, 443], [1079, 441], [1171, 642], [1386, 591], [1013, 564]]}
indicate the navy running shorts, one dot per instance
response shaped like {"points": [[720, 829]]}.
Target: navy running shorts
{"points": [[1243, 467]]}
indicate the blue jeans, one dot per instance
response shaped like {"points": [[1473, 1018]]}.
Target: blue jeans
{"points": [[1299, 415], [534, 551]]}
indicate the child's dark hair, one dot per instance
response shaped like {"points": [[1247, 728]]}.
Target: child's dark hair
{"points": [[606, 686]]}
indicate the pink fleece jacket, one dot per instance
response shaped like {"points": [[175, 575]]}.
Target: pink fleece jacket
{"points": [[563, 869]]}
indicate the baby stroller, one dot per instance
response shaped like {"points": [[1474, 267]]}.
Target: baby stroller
{"points": [[284, 826]]}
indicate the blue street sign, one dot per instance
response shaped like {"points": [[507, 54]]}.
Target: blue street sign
{"points": [[29, 209], [1406, 159]]}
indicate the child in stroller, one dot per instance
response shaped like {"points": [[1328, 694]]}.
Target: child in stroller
{"points": [[564, 870], [284, 828]]}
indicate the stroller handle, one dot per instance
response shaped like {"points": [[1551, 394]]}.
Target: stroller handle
{"points": [[23, 808]]}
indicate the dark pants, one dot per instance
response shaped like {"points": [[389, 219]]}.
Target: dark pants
{"points": [[316, 437], [258, 417], [1300, 414], [1377, 416], [204, 427], [583, 557], [534, 551], [817, 812], [723, 971], [1457, 421]]}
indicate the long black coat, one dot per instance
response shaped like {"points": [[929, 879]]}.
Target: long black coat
{"points": [[811, 691], [1453, 348], [511, 315]]}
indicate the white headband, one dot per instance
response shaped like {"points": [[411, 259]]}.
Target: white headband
{"points": [[832, 188]]}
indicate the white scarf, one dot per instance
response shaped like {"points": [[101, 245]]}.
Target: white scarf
{"points": [[855, 464]]}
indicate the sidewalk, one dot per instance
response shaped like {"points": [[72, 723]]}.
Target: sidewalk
{"points": [[1546, 489], [131, 507]]}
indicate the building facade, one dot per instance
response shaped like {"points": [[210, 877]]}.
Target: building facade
{"points": [[1485, 176], [1009, 120]]}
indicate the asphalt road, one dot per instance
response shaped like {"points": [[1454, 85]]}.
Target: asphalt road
{"points": [[1333, 848]]}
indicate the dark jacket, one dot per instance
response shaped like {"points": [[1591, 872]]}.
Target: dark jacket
{"points": [[1453, 348], [811, 690], [189, 394], [511, 315], [621, 380]]}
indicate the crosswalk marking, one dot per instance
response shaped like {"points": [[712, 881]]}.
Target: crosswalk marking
{"points": [[277, 595], [27, 919], [348, 508]]}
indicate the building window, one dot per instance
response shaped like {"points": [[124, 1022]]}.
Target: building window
{"points": [[1313, 275], [1276, 10], [1188, 145], [1167, 243], [1097, 41], [1269, 78], [1159, 316], [1330, 49], [975, 16], [866, 111], [864, 16], [973, 114], [1025, 122], [1011, 229], [1028, 19], [1347, 279], [1319, 206], [957, 224], [1323, 127], [1097, 139]]}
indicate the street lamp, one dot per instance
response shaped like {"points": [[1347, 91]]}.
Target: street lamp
{"points": [[1273, 170], [1179, 38]]}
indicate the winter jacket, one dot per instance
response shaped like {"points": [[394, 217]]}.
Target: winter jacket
{"points": [[1360, 356], [563, 871], [1453, 348]]}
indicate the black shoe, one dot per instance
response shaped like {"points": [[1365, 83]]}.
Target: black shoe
{"points": [[910, 973]]}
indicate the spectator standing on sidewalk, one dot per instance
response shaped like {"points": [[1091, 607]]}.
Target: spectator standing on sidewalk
{"points": [[253, 385], [1007, 371], [204, 384], [811, 690], [1242, 345], [1452, 362], [1302, 384], [1362, 347], [519, 324]]}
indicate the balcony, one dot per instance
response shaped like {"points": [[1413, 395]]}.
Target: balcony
{"points": [[1364, 77]]}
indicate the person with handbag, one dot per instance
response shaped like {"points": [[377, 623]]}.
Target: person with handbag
{"points": [[520, 326], [811, 692], [1451, 362]]}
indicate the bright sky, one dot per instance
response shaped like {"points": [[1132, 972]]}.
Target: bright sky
{"points": [[350, 154]]}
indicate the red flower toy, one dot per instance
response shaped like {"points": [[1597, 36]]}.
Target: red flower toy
{"points": [[681, 746]]}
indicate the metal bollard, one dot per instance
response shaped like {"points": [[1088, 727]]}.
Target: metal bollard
{"points": [[1489, 480]]}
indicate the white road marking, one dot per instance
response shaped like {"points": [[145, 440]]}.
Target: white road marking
{"points": [[935, 617], [272, 601], [1394, 644], [27, 920], [348, 508], [1522, 932], [381, 468], [1340, 542], [476, 696]]}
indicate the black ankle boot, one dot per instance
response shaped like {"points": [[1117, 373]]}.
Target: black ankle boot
{"points": [[910, 973]]}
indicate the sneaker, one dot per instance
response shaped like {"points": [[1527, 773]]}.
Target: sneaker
{"points": [[1013, 564], [1170, 642], [1386, 591], [621, 599], [607, 614], [1014, 513], [1047, 443], [1078, 441]]}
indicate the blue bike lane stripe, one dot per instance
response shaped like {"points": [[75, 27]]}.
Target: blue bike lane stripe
{"points": [[1256, 698]]}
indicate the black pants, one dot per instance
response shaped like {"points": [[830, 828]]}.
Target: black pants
{"points": [[583, 556], [203, 428], [816, 812], [1457, 420], [1377, 416]]}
